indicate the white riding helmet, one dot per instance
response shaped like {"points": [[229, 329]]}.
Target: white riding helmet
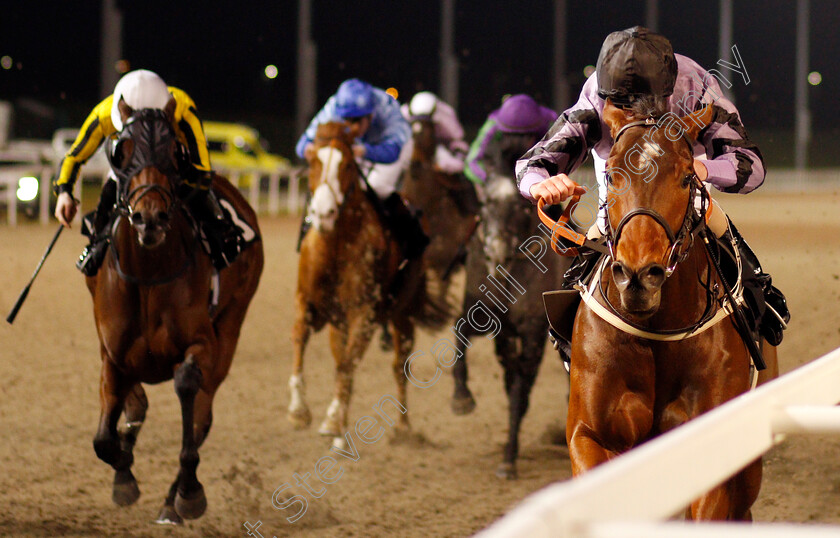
{"points": [[139, 89], [423, 104]]}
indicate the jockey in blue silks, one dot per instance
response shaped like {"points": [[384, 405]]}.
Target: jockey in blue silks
{"points": [[383, 151]]}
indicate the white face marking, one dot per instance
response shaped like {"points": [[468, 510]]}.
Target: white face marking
{"points": [[652, 150], [323, 210]]}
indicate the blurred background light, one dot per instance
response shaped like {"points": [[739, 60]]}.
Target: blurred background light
{"points": [[27, 189]]}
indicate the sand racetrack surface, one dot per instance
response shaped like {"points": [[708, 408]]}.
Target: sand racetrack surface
{"points": [[441, 484]]}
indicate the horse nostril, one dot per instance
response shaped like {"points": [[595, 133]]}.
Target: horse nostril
{"points": [[136, 219], [163, 218], [653, 276], [620, 274]]}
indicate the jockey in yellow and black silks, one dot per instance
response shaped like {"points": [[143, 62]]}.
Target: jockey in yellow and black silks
{"points": [[144, 89]]}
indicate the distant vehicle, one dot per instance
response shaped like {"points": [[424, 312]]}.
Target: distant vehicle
{"points": [[237, 148], [97, 167]]}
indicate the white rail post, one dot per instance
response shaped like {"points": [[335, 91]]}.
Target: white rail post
{"points": [[255, 190], [274, 193], [663, 476]]}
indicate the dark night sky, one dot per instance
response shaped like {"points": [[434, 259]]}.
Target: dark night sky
{"points": [[216, 50]]}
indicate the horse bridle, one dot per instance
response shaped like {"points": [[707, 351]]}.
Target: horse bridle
{"points": [[691, 222], [145, 154], [149, 155]]}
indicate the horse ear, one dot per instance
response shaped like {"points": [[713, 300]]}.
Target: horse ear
{"points": [[697, 121], [615, 117], [125, 110], [169, 109]]}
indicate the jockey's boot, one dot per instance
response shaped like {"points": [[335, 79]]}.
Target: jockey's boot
{"points": [[581, 269], [221, 234], [305, 225], [95, 226], [772, 314], [404, 223]]}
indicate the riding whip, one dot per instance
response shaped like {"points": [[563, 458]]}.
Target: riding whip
{"points": [[11, 317]]}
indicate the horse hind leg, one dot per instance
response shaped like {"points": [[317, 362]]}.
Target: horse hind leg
{"points": [[107, 443], [190, 501], [403, 344], [126, 491]]}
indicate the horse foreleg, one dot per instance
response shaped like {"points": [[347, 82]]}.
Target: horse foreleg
{"points": [[333, 422], [106, 443], [125, 490], [348, 346], [462, 402], [520, 374], [299, 414], [190, 501], [731, 500], [203, 419], [600, 427], [403, 344]]}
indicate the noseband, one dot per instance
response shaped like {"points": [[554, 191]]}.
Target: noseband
{"points": [[691, 221]]}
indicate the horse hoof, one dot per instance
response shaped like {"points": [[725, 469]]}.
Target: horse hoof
{"points": [[192, 507], [330, 428], [300, 418], [168, 516], [463, 405], [125, 492], [507, 471], [339, 443]]}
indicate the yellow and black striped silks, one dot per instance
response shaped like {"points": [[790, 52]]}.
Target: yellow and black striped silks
{"points": [[98, 126]]}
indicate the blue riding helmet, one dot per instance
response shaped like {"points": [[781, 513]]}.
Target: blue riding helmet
{"points": [[354, 99]]}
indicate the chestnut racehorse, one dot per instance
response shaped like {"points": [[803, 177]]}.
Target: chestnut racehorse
{"points": [[151, 302], [349, 277], [627, 388]]}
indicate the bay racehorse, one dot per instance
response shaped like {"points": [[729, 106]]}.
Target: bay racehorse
{"points": [[152, 302], [448, 217], [677, 354], [494, 258], [350, 277]]}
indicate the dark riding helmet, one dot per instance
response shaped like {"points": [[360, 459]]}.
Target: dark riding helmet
{"points": [[635, 62]]}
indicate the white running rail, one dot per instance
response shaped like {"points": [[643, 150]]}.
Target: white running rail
{"points": [[632, 495]]}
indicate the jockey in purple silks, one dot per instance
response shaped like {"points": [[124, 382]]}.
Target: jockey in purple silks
{"points": [[508, 132], [637, 67]]}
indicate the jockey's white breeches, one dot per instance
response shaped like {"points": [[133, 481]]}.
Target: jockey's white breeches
{"points": [[384, 179]]}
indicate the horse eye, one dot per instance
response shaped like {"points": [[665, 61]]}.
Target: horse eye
{"points": [[687, 179], [123, 150]]}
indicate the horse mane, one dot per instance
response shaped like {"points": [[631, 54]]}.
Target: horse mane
{"points": [[648, 106], [332, 131]]}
